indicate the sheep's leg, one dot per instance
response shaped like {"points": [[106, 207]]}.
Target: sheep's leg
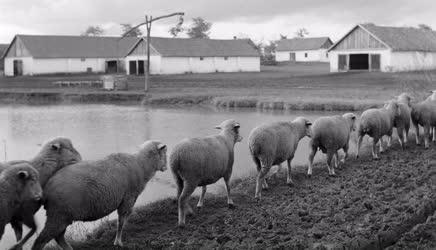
{"points": [[289, 178], [426, 136], [406, 134], [374, 149], [30, 222], [188, 189], [359, 145], [124, 210], [416, 132], [381, 145], [434, 134], [54, 226], [311, 156], [346, 154], [60, 239], [275, 174], [259, 168], [389, 140], [229, 199], [336, 159], [401, 132], [201, 200], [179, 184], [17, 226], [330, 156], [260, 179]]}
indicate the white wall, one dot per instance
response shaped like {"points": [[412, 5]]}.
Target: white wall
{"points": [[408, 61], [300, 56], [182, 65], [27, 65], [385, 58], [155, 62]]}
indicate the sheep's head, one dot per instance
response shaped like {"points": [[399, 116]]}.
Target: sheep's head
{"points": [[405, 98], [351, 118], [306, 124], [156, 153], [232, 127], [394, 106], [62, 150], [26, 179]]}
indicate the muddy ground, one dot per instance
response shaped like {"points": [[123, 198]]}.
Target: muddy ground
{"points": [[369, 205]]}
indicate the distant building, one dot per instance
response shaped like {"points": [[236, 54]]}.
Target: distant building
{"points": [[3, 48], [34, 55], [379, 48], [312, 49]]}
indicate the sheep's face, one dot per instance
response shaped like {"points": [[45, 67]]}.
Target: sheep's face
{"points": [[306, 124], [28, 179], [63, 150], [394, 106], [405, 98], [351, 118], [232, 127]]}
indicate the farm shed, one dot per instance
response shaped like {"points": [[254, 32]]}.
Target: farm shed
{"points": [[190, 55], [3, 48], [313, 49], [35, 54], [380, 48]]}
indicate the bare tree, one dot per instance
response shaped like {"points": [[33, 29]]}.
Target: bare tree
{"points": [[93, 31], [127, 27], [302, 32], [199, 28], [424, 26]]}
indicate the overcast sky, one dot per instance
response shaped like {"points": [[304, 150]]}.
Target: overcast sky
{"points": [[257, 19]]}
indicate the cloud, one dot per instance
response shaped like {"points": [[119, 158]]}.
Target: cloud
{"points": [[256, 18]]}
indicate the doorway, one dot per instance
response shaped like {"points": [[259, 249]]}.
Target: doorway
{"points": [[111, 67], [292, 56], [18, 67], [132, 68], [359, 62], [141, 67]]}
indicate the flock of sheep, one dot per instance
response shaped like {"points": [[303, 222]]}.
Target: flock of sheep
{"points": [[74, 190]]}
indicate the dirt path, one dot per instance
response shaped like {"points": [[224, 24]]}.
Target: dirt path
{"points": [[367, 199]]}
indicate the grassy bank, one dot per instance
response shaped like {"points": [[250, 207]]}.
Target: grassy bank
{"points": [[369, 204], [287, 87]]}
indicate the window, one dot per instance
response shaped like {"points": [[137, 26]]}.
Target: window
{"points": [[305, 55], [82, 59], [201, 58], [226, 58], [327, 55]]}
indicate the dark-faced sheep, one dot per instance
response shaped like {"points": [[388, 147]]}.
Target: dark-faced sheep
{"points": [[54, 155], [18, 183], [272, 144], [330, 134], [377, 123], [424, 114], [90, 190], [198, 162]]}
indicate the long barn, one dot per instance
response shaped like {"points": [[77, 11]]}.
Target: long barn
{"points": [[36, 55], [370, 47]]}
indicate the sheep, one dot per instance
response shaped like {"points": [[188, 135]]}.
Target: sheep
{"points": [[330, 134], [54, 155], [424, 114], [402, 121], [273, 143], [432, 97], [203, 161], [376, 123], [18, 183], [90, 190]]}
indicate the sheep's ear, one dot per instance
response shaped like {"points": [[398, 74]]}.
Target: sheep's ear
{"points": [[218, 127], [23, 175], [353, 117], [161, 146], [308, 124], [56, 146], [237, 125]]}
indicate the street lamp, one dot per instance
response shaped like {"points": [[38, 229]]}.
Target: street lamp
{"points": [[148, 21]]}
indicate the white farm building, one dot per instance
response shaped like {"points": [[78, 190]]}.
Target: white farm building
{"points": [[388, 49], [35, 55], [312, 49]]}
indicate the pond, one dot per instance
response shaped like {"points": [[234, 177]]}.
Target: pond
{"points": [[98, 130]]}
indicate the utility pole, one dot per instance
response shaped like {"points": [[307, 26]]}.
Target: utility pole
{"points": [[148, 22]]}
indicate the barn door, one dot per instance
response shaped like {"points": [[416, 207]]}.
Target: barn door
{"points": [[132, 67], [342, 63], [375, 62], [18, 67], [292, 57]]}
